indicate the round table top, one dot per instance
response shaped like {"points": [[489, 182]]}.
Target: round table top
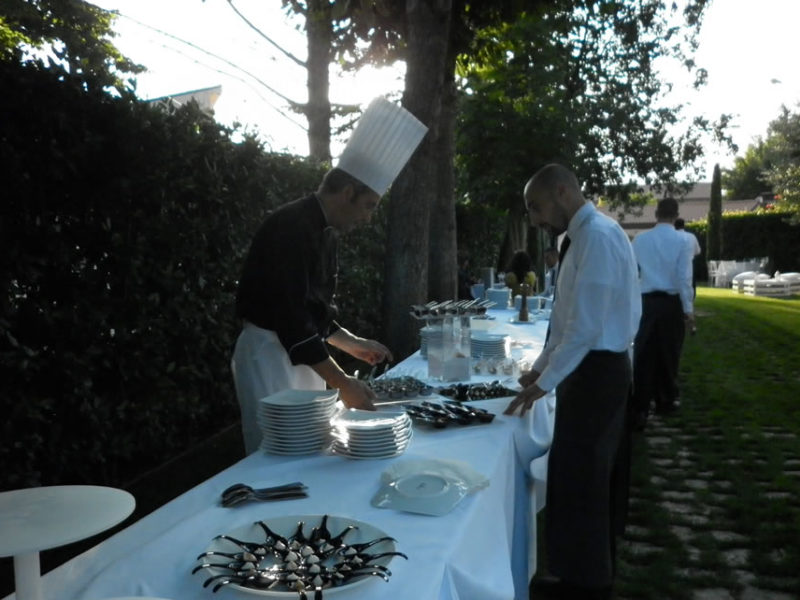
{"points": [[40, 518]]}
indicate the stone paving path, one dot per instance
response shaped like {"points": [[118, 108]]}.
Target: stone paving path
{"points": [[687, 504]]}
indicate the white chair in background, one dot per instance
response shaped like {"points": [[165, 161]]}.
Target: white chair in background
{"points": [[738, 281], [793, 280], [713, 265]]}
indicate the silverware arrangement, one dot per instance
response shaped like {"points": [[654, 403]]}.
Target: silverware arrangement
{"points": [[451, 308], [240, 492]]}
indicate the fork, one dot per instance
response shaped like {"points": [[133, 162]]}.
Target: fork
{"points": [[240, 492]]}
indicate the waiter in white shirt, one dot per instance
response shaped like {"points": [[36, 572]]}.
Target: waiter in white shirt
{"points": [[586, 360], [551, 273], [694, 245], [665, 269]]}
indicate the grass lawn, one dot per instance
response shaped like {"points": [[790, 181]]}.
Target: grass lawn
{"points": [[715, 507]]}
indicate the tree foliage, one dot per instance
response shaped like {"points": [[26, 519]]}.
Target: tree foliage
{"points": [[120, 247], [69, 35], [577, 82], [771, 164]]}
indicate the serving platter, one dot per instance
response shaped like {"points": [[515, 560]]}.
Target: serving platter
{"points": [[305, 536]]}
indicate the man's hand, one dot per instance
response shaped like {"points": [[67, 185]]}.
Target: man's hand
{"points": [[530, 393], [528, 378], [356, 394], [689, 323], [369, 351]]}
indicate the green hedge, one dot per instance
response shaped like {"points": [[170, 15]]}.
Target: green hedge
{"points": [[753, 235], [122, 232]]}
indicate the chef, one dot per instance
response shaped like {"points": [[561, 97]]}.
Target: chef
{"points": [[286, 291]]}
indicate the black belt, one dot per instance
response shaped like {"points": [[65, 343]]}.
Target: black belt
{"points": [[607, 353], [658, 294]]}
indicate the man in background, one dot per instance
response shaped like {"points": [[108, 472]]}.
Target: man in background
{"points": [[665, 270], [551, 270], [586, 360], [691, 241]]}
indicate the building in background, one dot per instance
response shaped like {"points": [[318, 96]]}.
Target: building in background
{"points": [[693, 206], [206, 98]]}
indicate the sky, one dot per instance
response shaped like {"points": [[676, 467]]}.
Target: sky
{"points": [[750, 50]]}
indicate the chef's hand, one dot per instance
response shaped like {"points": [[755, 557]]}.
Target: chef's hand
{"points": [[530, 393], [354, 393], [370, 351]]}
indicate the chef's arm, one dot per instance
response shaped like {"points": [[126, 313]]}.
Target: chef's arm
{"points": [[369, 351], [353, 392]]}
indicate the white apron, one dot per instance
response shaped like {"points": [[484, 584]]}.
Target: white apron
{"points": [[261, 367]]}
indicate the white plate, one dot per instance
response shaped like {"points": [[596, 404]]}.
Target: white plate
{"points": [[294, 444], [486, 337], [317, 411], [367, 456], [294, 421], [295, 452], [368, 439], [296, 441], [295, 398], [379, 448], [287, 526], [382, 431], [424, 493], [366, 419]]}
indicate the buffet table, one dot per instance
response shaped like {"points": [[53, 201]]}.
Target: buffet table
{"points": [[480, 549]]}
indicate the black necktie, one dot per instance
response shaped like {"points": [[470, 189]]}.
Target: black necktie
{"points": [[561, 253]]}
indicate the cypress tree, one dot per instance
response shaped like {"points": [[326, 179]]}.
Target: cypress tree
{"points": [[714, 239]]}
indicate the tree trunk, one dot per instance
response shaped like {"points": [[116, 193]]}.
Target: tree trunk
{"points": [[516, 238], [319, 33], [415, 190], [442, 261]]}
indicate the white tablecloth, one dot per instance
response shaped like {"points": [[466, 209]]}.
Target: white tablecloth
{"points": [[478, 550]]}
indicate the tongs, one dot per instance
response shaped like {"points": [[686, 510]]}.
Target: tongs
{"points": [[240, 492]]}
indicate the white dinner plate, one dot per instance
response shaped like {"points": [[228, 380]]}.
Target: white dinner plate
{"points": [[308, 440], [375, 456], [297, 414], [364, 419], [424, 493], [298, 444], [295, 421], [286, 527], [378, 447], [295, 398], [372, 435]]}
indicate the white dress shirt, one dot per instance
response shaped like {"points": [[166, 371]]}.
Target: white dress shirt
{"points": [[598, 302], [665, 263]]}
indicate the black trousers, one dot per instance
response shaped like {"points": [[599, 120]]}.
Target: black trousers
{"points": [[657, 352], [587, 477]]}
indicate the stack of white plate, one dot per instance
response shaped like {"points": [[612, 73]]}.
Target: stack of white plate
{"points": [[489, 345], [371, 434], [297, 421]]}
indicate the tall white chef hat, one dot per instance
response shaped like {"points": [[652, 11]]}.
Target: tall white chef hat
{"points": [[384, 139]]}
